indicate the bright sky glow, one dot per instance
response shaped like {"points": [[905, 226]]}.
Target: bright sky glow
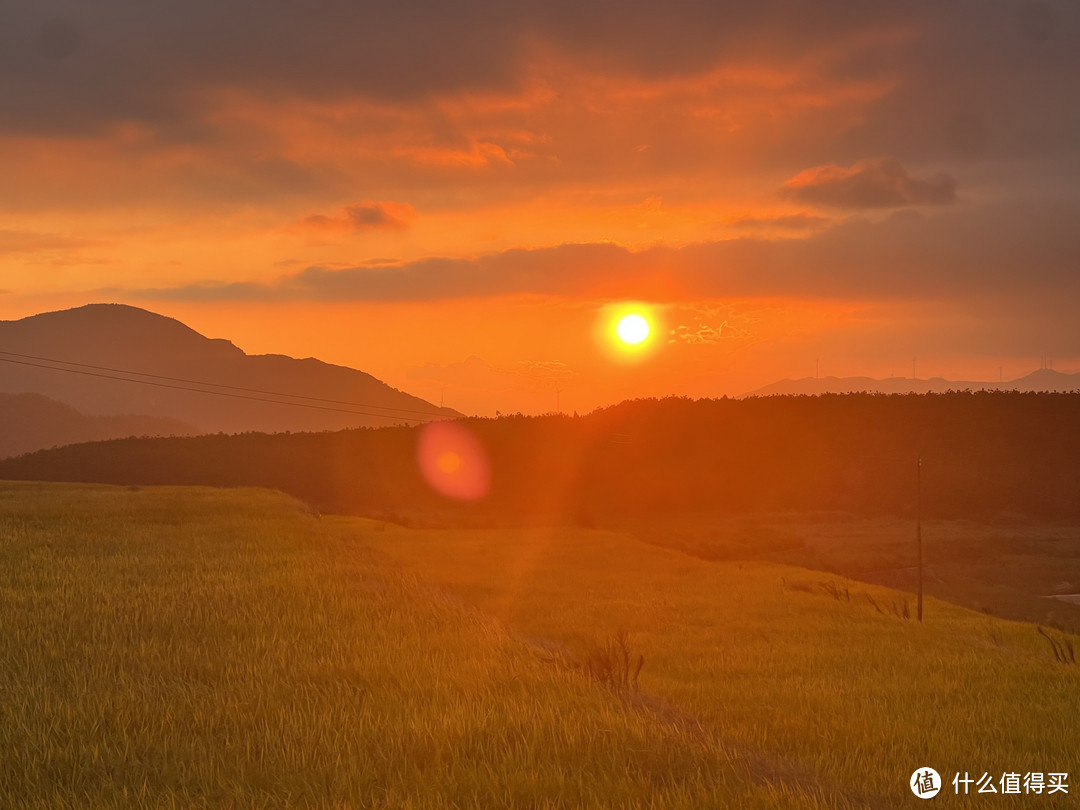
{"points": [[793, 187]]}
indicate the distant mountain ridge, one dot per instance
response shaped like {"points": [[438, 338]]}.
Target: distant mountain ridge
{"points": [[31, 422], [1043, 379], [169, 370]]}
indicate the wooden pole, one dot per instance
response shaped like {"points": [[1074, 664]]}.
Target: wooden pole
{"points": [[918, 527]]}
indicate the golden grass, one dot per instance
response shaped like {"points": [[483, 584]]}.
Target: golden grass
{"points": [[828, 688], [192, 648]]}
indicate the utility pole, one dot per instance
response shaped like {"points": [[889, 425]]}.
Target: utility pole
{"points": [[558, 406], [918, 527]]}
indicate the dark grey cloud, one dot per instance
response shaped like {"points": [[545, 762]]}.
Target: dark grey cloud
{"points": [[1038, 21], [74, 67], [871, 183], [1008, 69], [59, 38], [1027, 250], [983, 79]]}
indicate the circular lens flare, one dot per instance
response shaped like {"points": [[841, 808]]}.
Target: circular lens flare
{"points": [[448, 462], [632, 329], [453, 461]]}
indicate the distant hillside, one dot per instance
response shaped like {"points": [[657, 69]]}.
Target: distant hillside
{"points": [[1042, 380], [984, 454], [31, 422], [164, 355]]}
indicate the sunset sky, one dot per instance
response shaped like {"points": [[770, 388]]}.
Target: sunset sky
{"points": [[460, 197]]}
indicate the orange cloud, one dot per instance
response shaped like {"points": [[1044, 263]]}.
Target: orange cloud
{"points": [[787, 222], [24, 242], [906, 255], [363, 216], [871, 183]]}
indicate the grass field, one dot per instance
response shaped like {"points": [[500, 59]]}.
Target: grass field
{"points": [[810, 673], [189, 648], [205, 648], [1007, 568]]}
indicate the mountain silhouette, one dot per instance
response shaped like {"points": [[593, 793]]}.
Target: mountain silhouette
{"points": [[167, 369], [31, 422], [1044, 379]]}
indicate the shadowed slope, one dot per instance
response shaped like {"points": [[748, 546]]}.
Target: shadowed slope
{"points": [[31, 422]]}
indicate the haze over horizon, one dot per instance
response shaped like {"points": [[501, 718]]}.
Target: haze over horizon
{"points": [[458, 200]]}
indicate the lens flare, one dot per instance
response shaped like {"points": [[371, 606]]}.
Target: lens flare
{"points": [[453, 461]]}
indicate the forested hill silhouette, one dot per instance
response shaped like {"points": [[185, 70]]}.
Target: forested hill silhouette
{"points": [[94, 341], [1041, 380], [984, 455]]}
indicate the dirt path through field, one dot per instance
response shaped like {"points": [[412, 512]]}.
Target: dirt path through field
{"points": [[762, 768]]}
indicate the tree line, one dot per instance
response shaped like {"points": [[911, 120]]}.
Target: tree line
{"points": [[985, 455]]}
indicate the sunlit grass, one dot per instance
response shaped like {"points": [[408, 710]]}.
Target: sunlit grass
{"points": [[838, 691], [190, 648]]}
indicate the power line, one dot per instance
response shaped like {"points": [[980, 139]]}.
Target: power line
{"points": [[217, 385], [219, 393]]}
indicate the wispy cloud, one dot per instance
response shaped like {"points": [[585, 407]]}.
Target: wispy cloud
{"points": [[545, 372], [788, 222], [25, 242], [363, 216], [705, 334], [871, 183]]}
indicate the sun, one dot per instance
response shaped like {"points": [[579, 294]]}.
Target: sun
{"points": [[632, 329], [629, 332]]}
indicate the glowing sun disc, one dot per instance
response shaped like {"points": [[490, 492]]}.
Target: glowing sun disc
{"points": [[632, 329]]}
